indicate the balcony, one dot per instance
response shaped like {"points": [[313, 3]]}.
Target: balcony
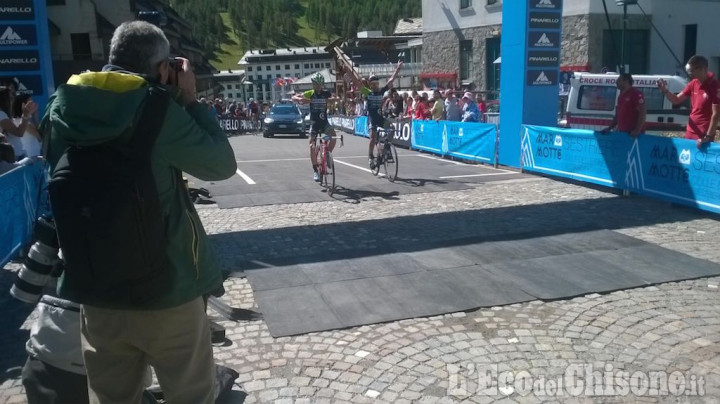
{"points": [[387, 69]]}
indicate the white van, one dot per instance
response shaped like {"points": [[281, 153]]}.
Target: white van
{"points": [[592, 98]]}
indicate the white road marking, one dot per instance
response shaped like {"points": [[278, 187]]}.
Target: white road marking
{"points": [[442, 159], [358, 167], [478, 175], [308, 158], [245, 177]]}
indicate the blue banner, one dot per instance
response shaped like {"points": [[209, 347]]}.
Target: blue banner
{"points": [[25, 61], [465, 140], [19, 192], [668, 168], [342, 122], [576, 153], [361, 126]]}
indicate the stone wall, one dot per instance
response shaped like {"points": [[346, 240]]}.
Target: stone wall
{"points": [[582, 41], [441, 52]]}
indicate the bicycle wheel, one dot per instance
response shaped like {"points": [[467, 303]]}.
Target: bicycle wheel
{"points": [[329, 177], [377, 159], [390, 161], [321, 164]]}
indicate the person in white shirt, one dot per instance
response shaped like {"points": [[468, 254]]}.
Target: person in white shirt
{"points": [[31, 140], [13, 132], [452, 106]]}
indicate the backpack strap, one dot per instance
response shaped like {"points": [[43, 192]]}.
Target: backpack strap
{"points": [[151, 121]]}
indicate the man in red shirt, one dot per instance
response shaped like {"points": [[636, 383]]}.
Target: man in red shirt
{"points": [[630, 111], [704, 93]]}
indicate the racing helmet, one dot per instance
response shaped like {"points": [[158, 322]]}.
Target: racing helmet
{"points": [[318, 78]]}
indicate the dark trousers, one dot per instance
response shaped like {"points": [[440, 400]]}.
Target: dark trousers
{"points": [[45, 384]]}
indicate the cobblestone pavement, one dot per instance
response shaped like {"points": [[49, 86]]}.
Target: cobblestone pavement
{"points": [[633, 334]]}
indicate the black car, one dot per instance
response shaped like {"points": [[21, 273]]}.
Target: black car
{"points": [[284, 118]]}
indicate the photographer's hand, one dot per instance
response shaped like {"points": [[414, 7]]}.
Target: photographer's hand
{"points": [[186, 81]]}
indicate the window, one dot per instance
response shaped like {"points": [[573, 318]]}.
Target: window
{"points": [[492, 69], [599, 98], [238, 95], [327, 64], [269, 76], [467, 4], [267, 68], [465, 60], [287, 67], [297, 67], [637, 45], [237, 86], [491, 2], [250, 77], [249, 68], [654, 99], [317, 65], [307, 65], [277, 76], [690, 41], [277, 67], [229, 95], [81, 46]]}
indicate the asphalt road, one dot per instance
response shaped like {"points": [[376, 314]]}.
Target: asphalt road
{"points": [[277, 170]]}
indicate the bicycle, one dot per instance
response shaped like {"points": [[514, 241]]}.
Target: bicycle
{"points": [[326, 164], [385, 154]]}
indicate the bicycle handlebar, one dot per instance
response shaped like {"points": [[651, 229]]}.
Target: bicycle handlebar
{"points": [[327, 138]]}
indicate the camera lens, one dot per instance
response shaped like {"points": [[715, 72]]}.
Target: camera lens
{"points": [[39, 264]]}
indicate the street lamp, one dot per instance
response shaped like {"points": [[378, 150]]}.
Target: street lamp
{"points": [[624, 4]]}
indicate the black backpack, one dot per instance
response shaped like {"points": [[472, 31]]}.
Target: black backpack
{"points": [[110, 225]]}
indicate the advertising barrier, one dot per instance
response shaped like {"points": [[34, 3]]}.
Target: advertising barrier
{"points": [[25, 61], [235, 125], [342, 122], [401, 138], [361, 126], [668, 168], [403, 133], [465, 140], [19, 205]]}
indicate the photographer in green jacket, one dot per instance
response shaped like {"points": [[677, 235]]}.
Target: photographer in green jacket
{"points": [[172, 331]]}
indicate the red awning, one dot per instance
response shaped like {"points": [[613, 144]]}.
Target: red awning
{"points": [[578, 68], [438, 75]]}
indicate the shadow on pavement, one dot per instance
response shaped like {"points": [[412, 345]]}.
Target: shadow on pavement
{"points": [[357, 195], [418, 182], [240, 251]]}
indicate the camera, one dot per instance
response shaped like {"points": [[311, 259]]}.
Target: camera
{"points": [[41, 267], [175, 64]]}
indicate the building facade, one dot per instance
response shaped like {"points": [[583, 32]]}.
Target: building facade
{"points": [[264, 66], [463, 37], [229, 84], [80, 33]]}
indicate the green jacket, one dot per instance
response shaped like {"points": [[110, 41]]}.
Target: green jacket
{"points": [[96, 107]]}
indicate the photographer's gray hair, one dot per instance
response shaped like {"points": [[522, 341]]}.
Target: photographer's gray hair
{"points": [[138, 46]]}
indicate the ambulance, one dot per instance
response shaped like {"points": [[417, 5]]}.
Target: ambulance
{"points": [[592, 99]]}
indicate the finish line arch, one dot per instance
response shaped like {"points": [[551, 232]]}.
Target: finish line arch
{"points": [[530, 49]]}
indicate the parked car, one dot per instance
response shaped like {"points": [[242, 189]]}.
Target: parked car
{"points": [[284, 118], [305, 110]]}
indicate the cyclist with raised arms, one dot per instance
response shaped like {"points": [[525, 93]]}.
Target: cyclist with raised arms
{"points": [[318, 100], [375, 96]]}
